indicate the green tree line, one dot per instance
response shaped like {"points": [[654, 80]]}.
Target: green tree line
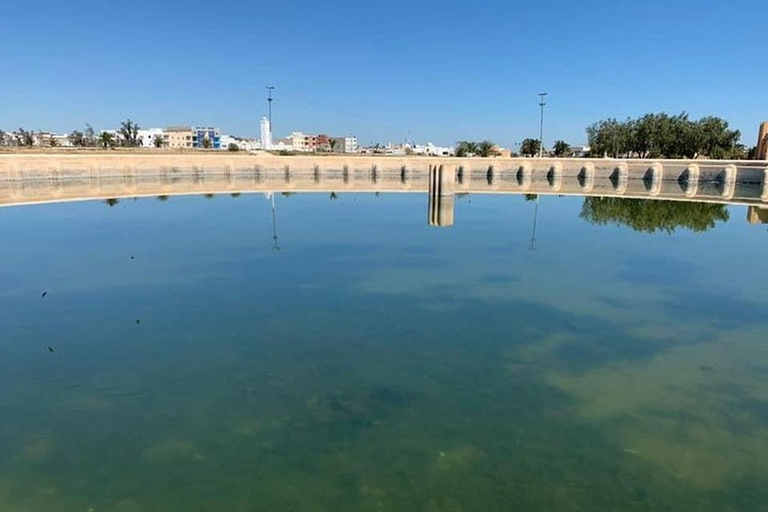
{"points": [[665, 136]]}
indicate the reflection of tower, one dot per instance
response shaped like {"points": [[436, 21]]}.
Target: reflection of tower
{"points": [[266, 134], [271, 197], [757, 215], [535, 219]]}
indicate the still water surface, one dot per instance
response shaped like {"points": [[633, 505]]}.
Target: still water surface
{"points": [[183, 359]]}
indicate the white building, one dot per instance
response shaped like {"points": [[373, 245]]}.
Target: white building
{"points": [[350, 145], [431, 150], [147, 137], [266, 134], [242, 144]]}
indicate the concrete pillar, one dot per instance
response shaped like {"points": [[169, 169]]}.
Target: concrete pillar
{"points": [[586, 177], [555, 176], [345, 174], [442, 182], [762, 142], [728, 180], [655, 174], [764, 195], [524, 176], [620, 178], [492, 176], [691, 180]]}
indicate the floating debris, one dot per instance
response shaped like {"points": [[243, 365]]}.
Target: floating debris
{"points": [[138, 321], [45, 293], [50, 348]]}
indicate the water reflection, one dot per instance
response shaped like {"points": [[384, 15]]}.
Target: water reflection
{"points": [[379, 364], [646, 203]]}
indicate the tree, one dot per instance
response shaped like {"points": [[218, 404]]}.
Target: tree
{"points": [[561, 148], [233, 147], [158, 141], [53, 142], [76, 138], [486, 149], [649, 216], [333, 143], [466, 148], [664, 136], [206, 143], [530, 147], [106, 140], [25, 138], [129, 133], [89, 137]]}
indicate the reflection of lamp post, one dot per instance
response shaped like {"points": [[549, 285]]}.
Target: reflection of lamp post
{"points": [[535, 218], [275, 247]]}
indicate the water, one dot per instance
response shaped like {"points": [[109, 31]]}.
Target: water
{"points": [[188, 357]]}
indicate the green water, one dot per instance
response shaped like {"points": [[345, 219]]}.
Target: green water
{"points": [[373, 363]]}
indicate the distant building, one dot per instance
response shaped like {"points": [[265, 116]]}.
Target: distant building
{"points": [[350, 145], [147, 137], [282, 144], [178, 137], [241, 143], [206, 133], [429, 149], [323, 143], [266, 134], [303, 142], [579, 151]]}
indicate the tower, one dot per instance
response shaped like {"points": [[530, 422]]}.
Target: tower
{"points": [[266, 134], [762, 142]]}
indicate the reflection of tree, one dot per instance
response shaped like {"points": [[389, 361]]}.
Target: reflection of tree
{"points": [[531, 197], [650, 215], [112, 201]]}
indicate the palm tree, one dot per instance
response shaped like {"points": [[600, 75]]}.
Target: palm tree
{"points": [[466, 148], [158, 141], [333, 143], [561, 148], [106, 140], [485, 149], [130, 133], [207, 143]]}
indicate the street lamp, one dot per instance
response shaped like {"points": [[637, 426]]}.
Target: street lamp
{"points": [[270, 88], [541, 124]]}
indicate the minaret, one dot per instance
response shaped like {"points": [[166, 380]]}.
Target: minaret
{"points": [[266, 134]]}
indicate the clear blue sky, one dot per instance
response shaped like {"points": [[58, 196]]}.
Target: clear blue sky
{"points": [[439, 70]]}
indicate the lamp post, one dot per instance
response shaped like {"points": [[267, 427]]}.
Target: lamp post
{"points": [[270, 88], [541, 124]]}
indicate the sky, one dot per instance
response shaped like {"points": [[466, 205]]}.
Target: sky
{"points": [[429, 71]]}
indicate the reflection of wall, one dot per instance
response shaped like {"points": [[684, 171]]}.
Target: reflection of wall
{"points": [[757, 214]]}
